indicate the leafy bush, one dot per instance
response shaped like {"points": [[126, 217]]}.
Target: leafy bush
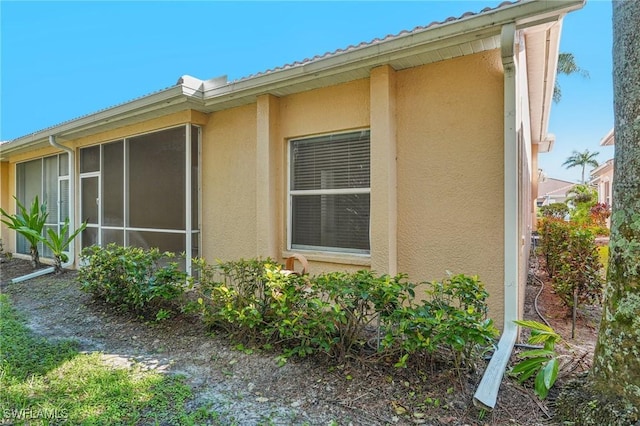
{"points": [[146, 282], [555, 234], [29, 223], [357, 300], [555, 210], [234, 296], [579, 269], [543, 361], [599, 213], [572, 261], [257, 302], [582, 198], [453, 316]]}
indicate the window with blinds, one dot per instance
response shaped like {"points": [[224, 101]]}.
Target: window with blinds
{"points": [[329, 192]]}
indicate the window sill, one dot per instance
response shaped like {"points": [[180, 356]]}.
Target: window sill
{"points": [[326, 257]]}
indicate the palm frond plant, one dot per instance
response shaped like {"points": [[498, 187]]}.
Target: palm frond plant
{"points": [[58, 242], [28, 223]]}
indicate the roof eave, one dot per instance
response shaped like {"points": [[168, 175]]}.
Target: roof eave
{"points": [[210, 97], [608, 139], [176, 97], [525, 14]]}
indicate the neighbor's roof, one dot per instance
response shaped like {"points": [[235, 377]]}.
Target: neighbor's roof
{"points": [[440, 40], [554, 187], [608, 139], [601, 169]]}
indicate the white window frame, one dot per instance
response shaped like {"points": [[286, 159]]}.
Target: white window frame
{"points": [[292, 193]]}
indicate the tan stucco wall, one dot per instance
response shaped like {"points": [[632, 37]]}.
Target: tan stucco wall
{"points": [[336, 108], [229, 184], [333, 109], [447, 120], [5, 196], [450, 171]]}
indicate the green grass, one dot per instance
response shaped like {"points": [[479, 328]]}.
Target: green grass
{"points": [[47, 383], [603, 254]]}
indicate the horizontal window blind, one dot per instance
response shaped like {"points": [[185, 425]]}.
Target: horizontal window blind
{"points": [[331, 162], [329, 190]]}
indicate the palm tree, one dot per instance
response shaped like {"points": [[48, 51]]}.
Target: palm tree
{"points": [[567, 66], [582, 159]]}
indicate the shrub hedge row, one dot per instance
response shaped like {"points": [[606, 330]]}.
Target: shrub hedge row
{"points": [[258, 304]]}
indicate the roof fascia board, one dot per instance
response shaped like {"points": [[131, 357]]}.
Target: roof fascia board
{"points": [[155, 101], [608, 139]]}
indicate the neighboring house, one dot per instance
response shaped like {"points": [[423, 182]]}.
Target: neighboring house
{"points": [[602, 176], [414, 153], [552, 190]]}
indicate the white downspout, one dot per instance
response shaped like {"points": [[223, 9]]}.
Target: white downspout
{"points": [[72, 197], [40, 272], [487, 393]]}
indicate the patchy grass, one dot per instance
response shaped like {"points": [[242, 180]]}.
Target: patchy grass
{"points": [[603, 254], [46, 382]]}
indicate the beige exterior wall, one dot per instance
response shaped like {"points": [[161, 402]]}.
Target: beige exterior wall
{"points": [[450, 171], [5, 197], [229, 184], [327, 110], [437, 208], [10, 241]]}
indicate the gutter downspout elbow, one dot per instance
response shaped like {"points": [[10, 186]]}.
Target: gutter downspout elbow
{"points": [[487, 392], [72, 192]]}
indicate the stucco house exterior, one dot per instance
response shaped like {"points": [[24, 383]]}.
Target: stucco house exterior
{"points": [[552, 190], [602, 176], [414, 153]]}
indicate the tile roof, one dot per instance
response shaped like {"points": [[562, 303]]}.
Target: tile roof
{"points": [[303, 62], [375, 41]]}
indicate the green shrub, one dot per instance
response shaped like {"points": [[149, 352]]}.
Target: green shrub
{"points": [[544, 362], [554, 236], [357, 300], [145, 282], [572, 260], [256, 302], [453, 316], [579, 269], [233, 296], [555, 210], [599, 214]]}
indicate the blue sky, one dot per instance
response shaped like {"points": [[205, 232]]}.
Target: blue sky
{"points": [[61, 60]]}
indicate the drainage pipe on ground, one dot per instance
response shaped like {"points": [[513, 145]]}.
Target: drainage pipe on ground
{"points": [[487, 392], [72, 222]]}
